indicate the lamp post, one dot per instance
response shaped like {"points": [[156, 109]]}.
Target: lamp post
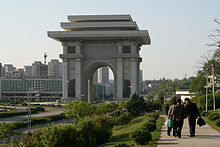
{"points": [[4, 104], [103, 95], [14, 100], [206, 95], [29, 108], [213, 86], [29, 113]]}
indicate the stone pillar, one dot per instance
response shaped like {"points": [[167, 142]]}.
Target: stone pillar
{"points": [[90, 84], [115, 90], [65, 78], [119, 78], [78, 80], [134, 76]]}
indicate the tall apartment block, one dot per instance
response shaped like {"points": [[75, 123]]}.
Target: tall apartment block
{"points": [[54, 68]]}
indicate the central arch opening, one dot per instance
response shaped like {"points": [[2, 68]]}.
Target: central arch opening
{"points": [[103, 84]]}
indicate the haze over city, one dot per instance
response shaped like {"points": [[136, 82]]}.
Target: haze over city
{"points": [[178, 31]]}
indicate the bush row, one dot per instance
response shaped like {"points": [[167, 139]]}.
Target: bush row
{"points": [[88, 132], [142, 135], [212, 116]]}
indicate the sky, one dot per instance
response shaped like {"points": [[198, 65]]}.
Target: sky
{"points": [[178, 30]]}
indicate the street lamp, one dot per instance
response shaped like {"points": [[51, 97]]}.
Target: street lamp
{"points": [[29, 109], [103, 95], [14, 100]]}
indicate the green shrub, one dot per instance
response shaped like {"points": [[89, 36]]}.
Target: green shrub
{"points": [[213, 116], [123, 119], [95, 131], [24, 104], [7, 130], [61, 135], [217, 122], [205, 113], [140, 136], [152, 120], [154, 115], [39, 108], [122, 145], [20, 124], [147, 114], [136, 120], [149, 126], [28, 141], [116, 113], [136, 105], [103, 128]]}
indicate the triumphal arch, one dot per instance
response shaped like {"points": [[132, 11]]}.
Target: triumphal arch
{"points": [[92, 41]]}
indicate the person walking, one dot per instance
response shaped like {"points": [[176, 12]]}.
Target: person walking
{"points": [[178, 117], [169, 117], [192, 112]]}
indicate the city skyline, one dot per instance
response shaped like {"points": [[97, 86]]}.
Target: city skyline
{"points": [[178, 31]]}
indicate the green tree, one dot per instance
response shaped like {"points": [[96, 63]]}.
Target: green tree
{"points": [[102, 108], [136, 105], [197, 84], [79, 110], [7, 130]]}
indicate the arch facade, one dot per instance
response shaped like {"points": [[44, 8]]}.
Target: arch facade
{"points": [[93, 41]]}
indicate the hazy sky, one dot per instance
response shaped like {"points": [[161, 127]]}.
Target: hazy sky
{"points": [[178, 30]]}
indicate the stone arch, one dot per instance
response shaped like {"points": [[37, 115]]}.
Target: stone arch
{"points": [[91, 68], [91, 41]]}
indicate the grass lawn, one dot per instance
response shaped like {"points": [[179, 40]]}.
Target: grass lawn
{"points": [[121, 133], [212, 123]]}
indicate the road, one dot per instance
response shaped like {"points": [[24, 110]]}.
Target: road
{"points": [[49, 112]]}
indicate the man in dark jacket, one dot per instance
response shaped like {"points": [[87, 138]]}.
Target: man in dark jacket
{"points": [[192, 113], [178, 117]]}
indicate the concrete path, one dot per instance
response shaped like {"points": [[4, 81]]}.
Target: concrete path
{"points": [[205, 137]]}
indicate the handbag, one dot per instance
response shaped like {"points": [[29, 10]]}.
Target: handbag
{"points": [[170, 123], [166, 123], [201, 122]]}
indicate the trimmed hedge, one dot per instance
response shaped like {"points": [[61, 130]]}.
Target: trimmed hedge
{"points": [[205, 113], [154, 115], [123, 119], [149, 126], [122, 145], [87, 133], [213, 116], [217, 122], [141, 136]]}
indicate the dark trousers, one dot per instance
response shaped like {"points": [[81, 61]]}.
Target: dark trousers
{"points": [[177, 127], [169, 130], [192, 126]]}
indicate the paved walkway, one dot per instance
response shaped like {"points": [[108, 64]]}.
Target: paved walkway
{"points": [[205, 137]]}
